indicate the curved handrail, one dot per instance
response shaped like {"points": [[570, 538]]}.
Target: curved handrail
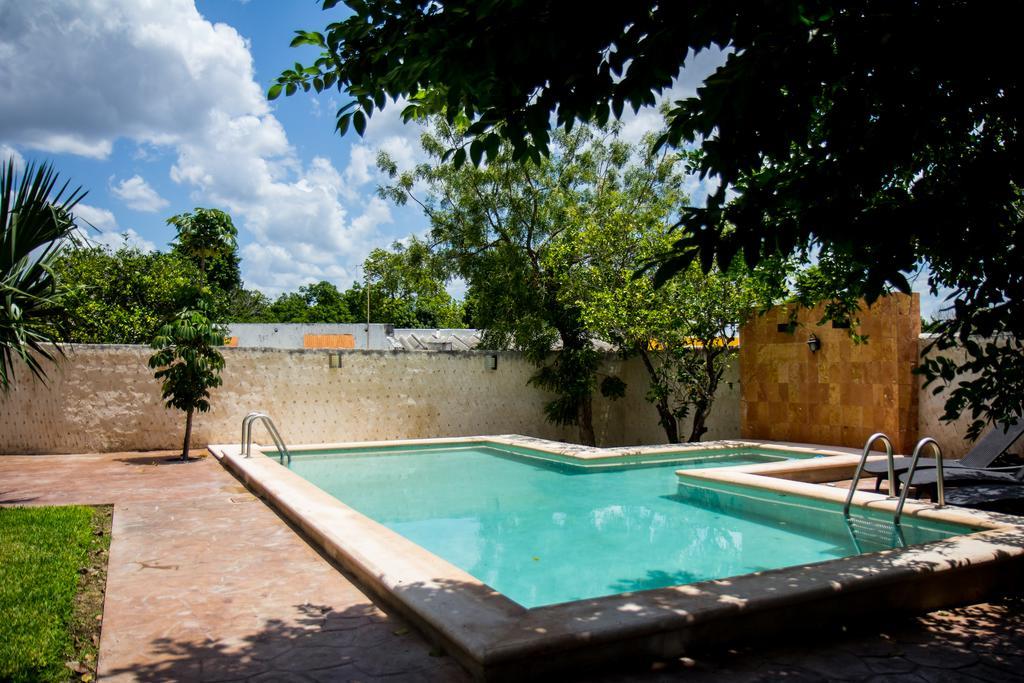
{"points": [[247, 431], [940, 492], [877, 436], [247, 423]]}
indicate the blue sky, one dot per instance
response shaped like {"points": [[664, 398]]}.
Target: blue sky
{"points": [[157, 106]]}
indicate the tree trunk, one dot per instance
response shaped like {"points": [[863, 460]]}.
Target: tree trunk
{"points": [[700, 417], [666, 419], [702, 406], [188, 436], [586, 422]]}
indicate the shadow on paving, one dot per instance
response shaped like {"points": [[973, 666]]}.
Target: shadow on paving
{"points": [[159, 458], [6, 499], [983, 642], [319, 644], [978, 642]]}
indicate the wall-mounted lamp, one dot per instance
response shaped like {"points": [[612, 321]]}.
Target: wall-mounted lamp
{"points": [[334, 360], [492, 362], [813, 343]]}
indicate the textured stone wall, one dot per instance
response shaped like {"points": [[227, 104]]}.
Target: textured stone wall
{"points": [[641, 419], [104, 398], [950, 435], [845, 391]]}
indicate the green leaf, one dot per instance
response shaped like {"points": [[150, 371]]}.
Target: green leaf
{"points": [[342, 125], [274, 92], [359, 122], [476, 151]]}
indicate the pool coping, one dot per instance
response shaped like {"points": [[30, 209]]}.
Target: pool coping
{"points": [[496, 638]]}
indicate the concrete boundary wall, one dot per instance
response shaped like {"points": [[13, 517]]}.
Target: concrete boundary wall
{"points": [[931, 407], [104, 398]]}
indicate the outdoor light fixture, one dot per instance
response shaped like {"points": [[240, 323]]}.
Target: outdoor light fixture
{"points": [[334, 360], [813, 343], [492, 362]]}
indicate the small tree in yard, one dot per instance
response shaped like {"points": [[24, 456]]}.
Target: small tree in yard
{"points": [[188, 364], [684, 332]]}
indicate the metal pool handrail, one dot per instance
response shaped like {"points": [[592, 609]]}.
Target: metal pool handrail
{"points": [[877, 436], [940, 493], [247, 422]]}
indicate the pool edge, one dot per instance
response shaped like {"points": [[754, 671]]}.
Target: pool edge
{"points": [[495, 638]]}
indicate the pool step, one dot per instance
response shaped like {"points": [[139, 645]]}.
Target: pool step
{"points": [[870, 535]]}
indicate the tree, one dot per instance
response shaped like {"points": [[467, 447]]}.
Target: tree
{"points": [[121, 296], [684, 334], [848, 128], [210, 240], [247, 306], [36, 221], [317, 303], [188, 364], [510, 231], [407, 287]]}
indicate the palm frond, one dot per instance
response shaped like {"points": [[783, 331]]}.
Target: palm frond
{"points": [[36, 221]]}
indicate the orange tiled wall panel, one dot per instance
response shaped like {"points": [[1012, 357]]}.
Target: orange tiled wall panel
{"points": [[842, 393], [328, 341]]}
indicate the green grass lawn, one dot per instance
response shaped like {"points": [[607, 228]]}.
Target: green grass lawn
{"points": [[52, 565]]}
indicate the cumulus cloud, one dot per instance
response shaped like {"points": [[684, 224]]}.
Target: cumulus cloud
{"points": [[115, 240], [99, 226], [101, 219], [698, 66], [139, 195], [385, 132], [9, 153], [160, 75], [149, 70]]}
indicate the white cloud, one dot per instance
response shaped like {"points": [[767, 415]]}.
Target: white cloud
{"points": [[698, 66], [102, 229], [7, 153], [114, 239], [148, 70], [102, 219], [385, 132], [139, 195], [158, 74]]}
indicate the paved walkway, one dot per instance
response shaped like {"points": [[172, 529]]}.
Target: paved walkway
{"points": [[206, 583]]}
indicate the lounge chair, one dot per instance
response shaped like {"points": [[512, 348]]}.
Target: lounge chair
{"points": [[964, 477], [981, 456]]}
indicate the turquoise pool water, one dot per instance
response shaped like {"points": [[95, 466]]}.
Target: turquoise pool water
{"points": [[542, 531]]}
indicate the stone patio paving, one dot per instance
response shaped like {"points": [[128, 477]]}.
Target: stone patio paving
{"points": [[206, 583]]}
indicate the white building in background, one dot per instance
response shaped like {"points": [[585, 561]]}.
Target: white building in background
{"points": [[373, 337]]}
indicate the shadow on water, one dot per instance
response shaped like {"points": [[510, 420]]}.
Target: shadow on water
{"points": [[654, 579]]}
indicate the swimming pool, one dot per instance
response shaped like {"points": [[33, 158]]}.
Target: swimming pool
{"points": [[542, 530], [497, 636]]}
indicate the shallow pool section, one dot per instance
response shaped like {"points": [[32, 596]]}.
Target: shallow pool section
{"points": [[542, 530]]}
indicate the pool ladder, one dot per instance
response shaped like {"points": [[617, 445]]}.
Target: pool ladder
{"points": [[879, 436], [247, 423]]}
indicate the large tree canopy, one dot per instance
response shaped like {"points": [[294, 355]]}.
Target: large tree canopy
{"points": [[886, 132]]}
